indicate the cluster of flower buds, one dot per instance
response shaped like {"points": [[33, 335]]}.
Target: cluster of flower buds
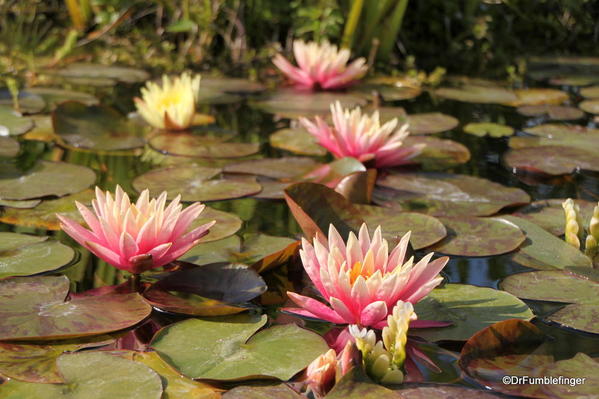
{"points": [[575, 232]]}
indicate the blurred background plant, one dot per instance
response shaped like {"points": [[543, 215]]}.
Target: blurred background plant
{"points": [[484, 37]]}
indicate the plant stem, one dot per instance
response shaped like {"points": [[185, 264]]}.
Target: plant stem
{"points": [[352, 23]]}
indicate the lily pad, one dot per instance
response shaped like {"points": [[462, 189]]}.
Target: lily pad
{"points": [[388, 92], [43, 216], [216, 97], [201, 146], [555, 130], [469, 308], [446, 194], [426, 230], [554, 112], [298, 141], [472, 236], [280, 391], [438, 153], [590, 92], [584, 317], [53, 96], [538, 96], [92, 375], [576, 367], [292, 103], [102, 75], [442, 391], [276, 168], [24, 255], [29, 102], [488, 129], [9, 147], [35, 308], [191, 181], [551, 159], [96, 127], [429, 123], [226, 224], [231, 85], [44, 179], [11, 124], [214, 251], [26, 204], [265, 252], [549, 214], [227, 349], [355, 385], [542, 250], [333, 173], [590, 106], [478, 94], [575, 136]]}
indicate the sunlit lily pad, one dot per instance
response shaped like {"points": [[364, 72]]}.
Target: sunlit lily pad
{"points": [[575, 136], [292, 103], [44, 179], [192, 182], [230, 349], [488, 129], [37, 363], [438, 153], [280, 391], [92, 375], [471, 236], [478, 94], [297, 141], [445, 194], [43, 129], [208, 144], [24, 255], [9, 147], [102, 74], [549, 214], [214, 251], [96, 127], [389, 92], [576, 367], [469, 308], [29, 103], [55, 95], [551, 159], [333, 173], [538, 96], [590, 106], [276, 168], [231, 85], [11, 124], [429, 123], [426, 230], [43, 216], [554, 112], [35, 308], [542, 250], [226, 224], [25, 204], [555, 130], [590, 92]]}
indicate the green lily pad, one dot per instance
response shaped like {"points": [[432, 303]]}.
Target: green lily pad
{"points": [[542, 250], [426, 230], [276, 168], [575, 136], [554, 112], [472, 236], [23, 255], [214, 251], [576, 367], [355, 385], [298, 141], [538, 96], [191, 181], [35, 308], [446, 194], [37, 363], [292, 103], [9, 147], [96, 127], [388, 113], [216, 97], [231, 85], [488, 129], [590, 92], [590, 106], [280, 391], [389, 92], [429, 123], [102, 75], [584, 317], [11, 124], [230, 349], [44, 179], [26, 204], [53, 96], [549, 214], [442, 391], [477, 94], [226, 224], [551, 159], [29, 102], [265, 252], [92, 375], [438, 153], [43, 216], [555, 130], [208, 144], [469, 308]]}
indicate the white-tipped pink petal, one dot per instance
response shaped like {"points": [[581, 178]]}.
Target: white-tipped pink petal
{"points": [[314, 307]]}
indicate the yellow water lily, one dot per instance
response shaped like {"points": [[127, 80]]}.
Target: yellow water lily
{"points": [[171, 105]]}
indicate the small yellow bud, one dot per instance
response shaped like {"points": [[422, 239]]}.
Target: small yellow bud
{"points": [[572, 224]]}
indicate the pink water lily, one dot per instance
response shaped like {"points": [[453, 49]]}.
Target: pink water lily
{"points": [[136, 237], [321, 66], [361, 281], [362, 136]]}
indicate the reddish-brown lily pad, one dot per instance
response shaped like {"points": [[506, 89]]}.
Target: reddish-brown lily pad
{"points": [[554, 112], [298, 141], [472, 236], [35, 308], [443, 391], [445, 194], [276, 168], [551, 159]]}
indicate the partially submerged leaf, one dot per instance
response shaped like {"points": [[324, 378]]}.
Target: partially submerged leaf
{"points": [[299, 141], [551, 159], [482, 129]]}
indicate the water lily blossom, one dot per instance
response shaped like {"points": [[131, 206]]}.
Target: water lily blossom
{"points": [[383, 359], [362, 136], [136, 237], [171, 105], [360, 279], [321, 66]]}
